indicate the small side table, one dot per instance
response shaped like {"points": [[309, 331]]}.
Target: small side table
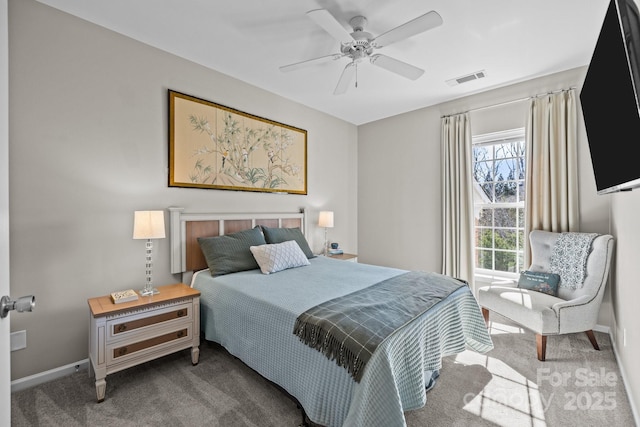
{"points": [[127, 334], [345, 257]]}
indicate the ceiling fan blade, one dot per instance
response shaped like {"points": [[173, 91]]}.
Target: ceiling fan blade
{"points": [[324, 19], [345, 79], [309, 62], [416, 26], [396, 66]]}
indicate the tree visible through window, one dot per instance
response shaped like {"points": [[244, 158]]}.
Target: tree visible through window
{"points": [[499, 172]]}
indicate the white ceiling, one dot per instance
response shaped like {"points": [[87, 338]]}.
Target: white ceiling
{"points": [[511, 40]]}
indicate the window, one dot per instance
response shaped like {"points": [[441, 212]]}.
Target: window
{"points": [[499, 172]]}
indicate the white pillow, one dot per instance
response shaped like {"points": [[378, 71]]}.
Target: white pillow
{"points": [[279, 256]]}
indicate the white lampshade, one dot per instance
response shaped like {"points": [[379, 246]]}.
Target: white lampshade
{"points": [[325, 219], [148, 225]]}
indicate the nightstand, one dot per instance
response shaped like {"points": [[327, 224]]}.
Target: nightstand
{"points": [[127, 334], [345, 257]]}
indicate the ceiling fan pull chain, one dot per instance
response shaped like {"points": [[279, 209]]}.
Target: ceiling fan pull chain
{"points": [[356, 75]]}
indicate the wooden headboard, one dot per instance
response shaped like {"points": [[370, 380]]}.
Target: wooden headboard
{"points": [[185, 228]]}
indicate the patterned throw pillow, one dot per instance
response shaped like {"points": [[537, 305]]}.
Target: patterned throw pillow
{"points": [[539, 281], [279, 256]]}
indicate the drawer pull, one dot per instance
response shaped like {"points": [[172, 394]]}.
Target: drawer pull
{"points": [[151, 320], [141, 345]]}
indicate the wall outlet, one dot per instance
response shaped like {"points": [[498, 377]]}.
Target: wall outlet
{"points": [[18, 340]]}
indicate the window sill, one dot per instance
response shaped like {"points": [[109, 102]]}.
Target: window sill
{"points": [[484, 279]]}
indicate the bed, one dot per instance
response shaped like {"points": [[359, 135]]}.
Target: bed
{"points": [[252, 315]]}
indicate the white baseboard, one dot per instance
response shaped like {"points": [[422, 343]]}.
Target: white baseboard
{"points": [[601, 328], [634, 410], [43, 377]]}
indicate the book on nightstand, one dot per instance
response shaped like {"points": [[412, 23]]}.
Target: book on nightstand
{"points": [[335, 252], [124, 296]]}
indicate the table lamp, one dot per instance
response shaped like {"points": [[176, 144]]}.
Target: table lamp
{"points": [[325, 220], [148, 225]]}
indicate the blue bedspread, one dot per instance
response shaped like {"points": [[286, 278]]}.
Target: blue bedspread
{"points": [[252, 316]]}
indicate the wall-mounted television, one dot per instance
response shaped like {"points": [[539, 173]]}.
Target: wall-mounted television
{"points": [[609, 99]]}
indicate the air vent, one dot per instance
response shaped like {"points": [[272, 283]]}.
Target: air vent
{"points": [[469, 77]]}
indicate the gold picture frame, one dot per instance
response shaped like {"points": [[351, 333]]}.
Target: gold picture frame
{"points": [[217, 147]]}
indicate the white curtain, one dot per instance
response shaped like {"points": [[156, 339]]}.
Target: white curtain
{"points": [[457, 198], [552, 167]]}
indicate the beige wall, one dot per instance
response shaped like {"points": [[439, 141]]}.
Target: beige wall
{"points": [[407, 149], [89, 145], [399, 191], [625, 292]]}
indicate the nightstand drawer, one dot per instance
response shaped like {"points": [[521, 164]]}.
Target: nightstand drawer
{"points": [[122, 351], [146, 320]]}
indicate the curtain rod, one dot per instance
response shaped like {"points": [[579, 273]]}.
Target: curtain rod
{"points": [[513, 101]]}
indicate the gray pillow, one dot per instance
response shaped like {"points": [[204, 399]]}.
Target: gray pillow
{"points": [[280, 235], [230, 253]]}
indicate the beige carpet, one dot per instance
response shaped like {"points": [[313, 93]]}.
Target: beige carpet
{"points": [[576, 386]]}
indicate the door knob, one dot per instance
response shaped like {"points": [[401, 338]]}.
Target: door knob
{"points": [[21, 304]]}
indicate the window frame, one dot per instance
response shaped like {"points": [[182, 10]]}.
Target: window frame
{"points": [[484, 274]]}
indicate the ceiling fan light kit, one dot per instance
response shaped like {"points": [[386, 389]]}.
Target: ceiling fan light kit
{"points": [[360, 44]]}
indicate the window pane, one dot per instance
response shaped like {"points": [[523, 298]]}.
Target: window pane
{"points": [[506, 239], [506, 261], [521, 240], [506, 169], [483, 172], [506, 192], [485, 259], [482, 152], [486, 217], [521, 168], [519, 149], [505, 150], [488, 192], [484, 238], [505, 217], [521, 217]]}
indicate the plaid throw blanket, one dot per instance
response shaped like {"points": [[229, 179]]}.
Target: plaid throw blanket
{"points": [[348, 329], [569, 258]]}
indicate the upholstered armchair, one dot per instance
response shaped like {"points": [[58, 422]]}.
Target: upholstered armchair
{"points": [[574, 309]]}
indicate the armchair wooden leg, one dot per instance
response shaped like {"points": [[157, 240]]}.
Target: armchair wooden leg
{"points": [[485, 314], [592, 338], [541, 344]]}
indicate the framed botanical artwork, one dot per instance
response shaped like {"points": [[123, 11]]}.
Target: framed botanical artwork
{"points": [[213, 146]]}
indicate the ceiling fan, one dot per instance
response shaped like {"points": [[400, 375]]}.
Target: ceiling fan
{"points": [[359, 45]]}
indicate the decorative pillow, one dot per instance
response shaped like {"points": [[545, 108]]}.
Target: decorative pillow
{"points": [[279, 235], [279, 256], [539, 281], [230, 253]]}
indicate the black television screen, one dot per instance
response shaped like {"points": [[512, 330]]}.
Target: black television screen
{"points": [[609, 99]]}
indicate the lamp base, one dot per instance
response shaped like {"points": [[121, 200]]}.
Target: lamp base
{"points": [[148, 291]]}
